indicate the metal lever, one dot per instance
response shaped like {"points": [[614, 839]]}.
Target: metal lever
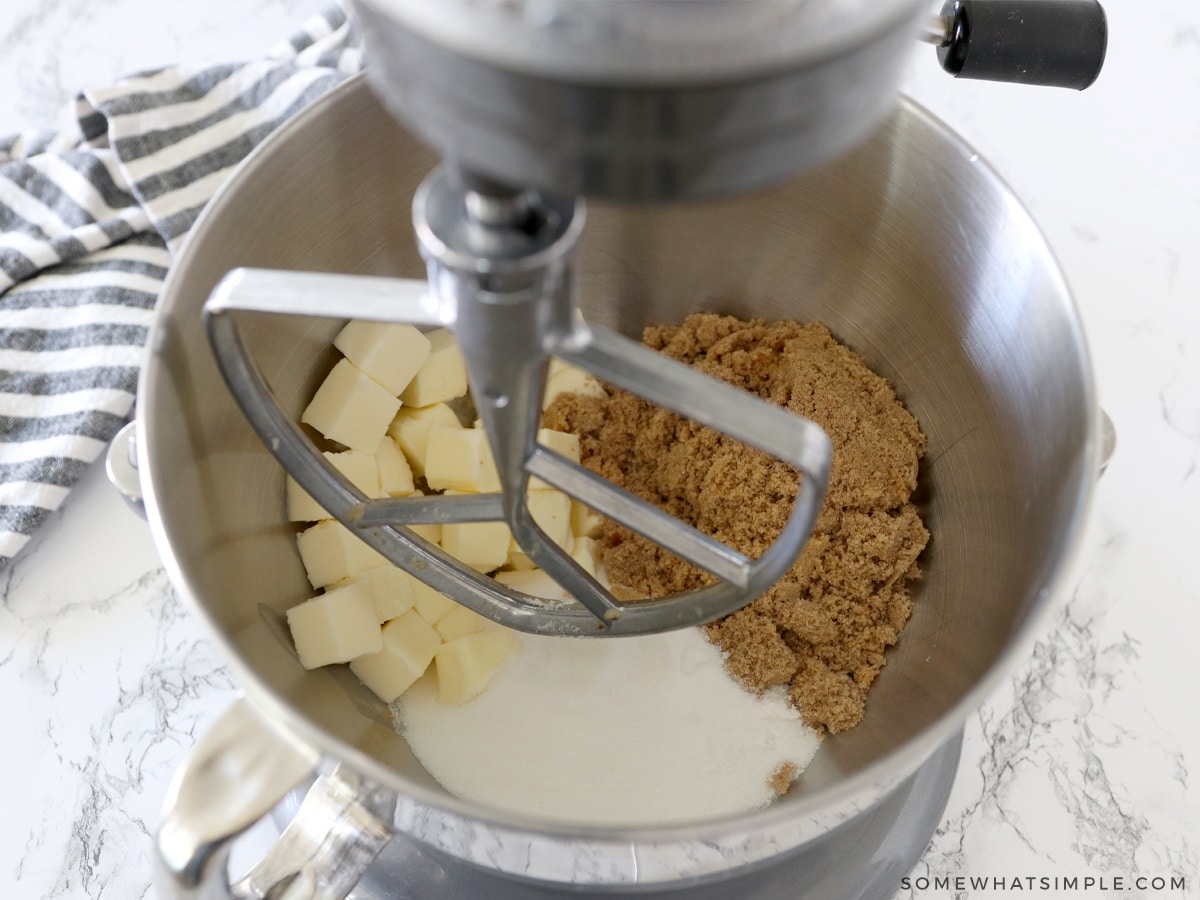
{"points": [[500, 276], [1054, 43]]}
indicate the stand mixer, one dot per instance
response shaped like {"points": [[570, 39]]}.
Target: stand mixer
{"points": [[535, 104]]}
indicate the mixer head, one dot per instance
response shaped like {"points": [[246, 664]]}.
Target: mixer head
{"points": [[638, 99], [534, 104], [645, 100]]}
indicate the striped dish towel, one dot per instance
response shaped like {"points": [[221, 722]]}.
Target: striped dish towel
{"points": [[89, 223]]}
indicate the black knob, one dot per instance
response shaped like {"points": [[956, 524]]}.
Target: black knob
{"points": [[1059, 43]]}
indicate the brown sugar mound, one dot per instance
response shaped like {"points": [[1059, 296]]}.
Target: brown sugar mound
{"points": [[822, 629], [781, 779]]}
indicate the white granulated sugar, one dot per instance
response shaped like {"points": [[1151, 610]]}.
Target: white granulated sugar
{"points": [[623, 731]]}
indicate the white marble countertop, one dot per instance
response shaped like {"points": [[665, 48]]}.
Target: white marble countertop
{"points": [[1083, 765]]}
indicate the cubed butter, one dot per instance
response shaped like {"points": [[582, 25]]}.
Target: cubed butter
{"points": [[466, 665], [585, 521], [391, 354], [335, 627], [360, 470], [551, 510], [561, 442], [409, 644], [587, 553], [460, 621], [351, 408], [564, 378], [432, 532], [460, 459], [331, 552], [517, 558], [442, 377], [390, 587], [481, 545], [429, 603], [394, 473], [410, 429]]}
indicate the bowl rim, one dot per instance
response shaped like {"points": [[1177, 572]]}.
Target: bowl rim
{"points": [[826, 806]]}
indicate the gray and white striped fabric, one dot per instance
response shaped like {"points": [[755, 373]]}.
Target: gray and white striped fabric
{"points": [[89, 222]]}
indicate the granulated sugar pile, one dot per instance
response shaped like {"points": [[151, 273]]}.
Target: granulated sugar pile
{"points": [[625, 731], [703, 723]]}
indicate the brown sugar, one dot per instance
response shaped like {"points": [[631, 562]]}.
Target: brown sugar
{"points": [[821, 630], [781, 779]]}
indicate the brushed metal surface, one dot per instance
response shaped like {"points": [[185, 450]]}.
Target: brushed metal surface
{"points": [[911, 250], [661, 101], [863, 858]]}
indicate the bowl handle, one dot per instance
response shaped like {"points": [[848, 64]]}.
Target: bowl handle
{"points": [[233, 778], [120, 464], [1108, 440]]}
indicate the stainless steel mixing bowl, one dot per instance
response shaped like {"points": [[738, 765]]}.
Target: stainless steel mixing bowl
{"points": [[911, 250]]}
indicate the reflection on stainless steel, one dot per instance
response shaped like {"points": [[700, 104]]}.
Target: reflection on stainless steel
{"points": [[936, 30]]}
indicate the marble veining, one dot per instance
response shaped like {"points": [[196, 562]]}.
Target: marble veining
{"points": [[111, 720], [1059, 764], [1080, 764]]}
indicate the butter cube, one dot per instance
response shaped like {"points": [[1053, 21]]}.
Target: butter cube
{"points": [[394, 473], [410, 429], [551, 510], [518, 559], [330, 552], [585, 521], [430, 604], [335, 627], [564, 378], [443, 375], [409, 644], [351, 408], [481, 545], [460, 459], [535, 582], [391, 590], [460, 621], [466, 665], [431, 532], [586, 552], [358, 467], [391, 354], [561, 442]]}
